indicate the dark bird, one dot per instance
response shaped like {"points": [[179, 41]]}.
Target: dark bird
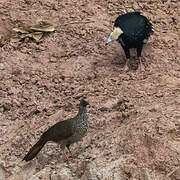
{"points": [[64, 132], [130, 30]]}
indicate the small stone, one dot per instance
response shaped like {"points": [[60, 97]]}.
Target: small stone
{"points": [[53, 60], [155, 108], [159, 94], [1, 66], [7, 106], [94, 156], [102, 109]]}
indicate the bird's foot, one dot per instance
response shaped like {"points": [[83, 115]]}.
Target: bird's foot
{"points": [[141, 68], [68, 147], [66, 157], [125, 68]]}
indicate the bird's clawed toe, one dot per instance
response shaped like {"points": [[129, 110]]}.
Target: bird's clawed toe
{"points": [[125, 68], [141, 68]]}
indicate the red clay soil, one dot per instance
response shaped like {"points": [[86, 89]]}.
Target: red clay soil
{"points": [[134, 117]]}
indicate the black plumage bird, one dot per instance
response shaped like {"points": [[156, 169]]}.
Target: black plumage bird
{"points": [[130, 30]]}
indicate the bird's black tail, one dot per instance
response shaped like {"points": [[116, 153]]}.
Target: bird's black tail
{"points": [[35, 150], [149, 29]]}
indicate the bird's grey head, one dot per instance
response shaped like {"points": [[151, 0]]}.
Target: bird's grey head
{"points": [[114, 35], [84, 102]]}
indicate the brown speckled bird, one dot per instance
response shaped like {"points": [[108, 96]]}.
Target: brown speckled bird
{"points": [[64, 132]]}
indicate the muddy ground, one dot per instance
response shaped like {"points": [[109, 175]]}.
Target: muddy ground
{"points": [[134, 117]]}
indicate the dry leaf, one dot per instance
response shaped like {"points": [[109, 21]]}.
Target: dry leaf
{"points": [[21, 30], [22, 36], [35, 31], [43, 27], [37, 35]]}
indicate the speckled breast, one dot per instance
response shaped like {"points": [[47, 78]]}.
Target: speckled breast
{"points": [[80, 129]]}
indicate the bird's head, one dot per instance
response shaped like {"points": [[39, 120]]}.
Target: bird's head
{"points": [[114, 35], [84, 102]]}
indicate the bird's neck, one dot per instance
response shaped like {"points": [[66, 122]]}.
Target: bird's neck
{"points": [[82, 116], [82, 110], [82, 113]]}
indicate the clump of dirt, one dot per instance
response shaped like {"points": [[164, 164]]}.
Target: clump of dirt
{"points": [[133, 117]]}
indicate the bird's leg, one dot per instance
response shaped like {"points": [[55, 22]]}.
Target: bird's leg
{"points": [[67, 159], [63, 149], [126, 68], [127, 53], [139, 50], [141, 66], [68, 147]]}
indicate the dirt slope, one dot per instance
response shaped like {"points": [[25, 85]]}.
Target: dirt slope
{"points": [[134, 117]]}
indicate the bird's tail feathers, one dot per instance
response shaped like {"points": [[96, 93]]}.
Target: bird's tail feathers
{"points": [[35, 150]]}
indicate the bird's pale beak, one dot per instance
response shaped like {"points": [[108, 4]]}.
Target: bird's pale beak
{"points": [[109, 39]]}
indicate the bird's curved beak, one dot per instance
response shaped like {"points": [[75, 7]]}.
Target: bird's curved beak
{"points": [[109, 39]]}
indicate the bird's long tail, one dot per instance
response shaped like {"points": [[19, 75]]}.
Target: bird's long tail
{"points": [[35, 150]]}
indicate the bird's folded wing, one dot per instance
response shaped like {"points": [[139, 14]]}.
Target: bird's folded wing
{"points": [[59, 131]]}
